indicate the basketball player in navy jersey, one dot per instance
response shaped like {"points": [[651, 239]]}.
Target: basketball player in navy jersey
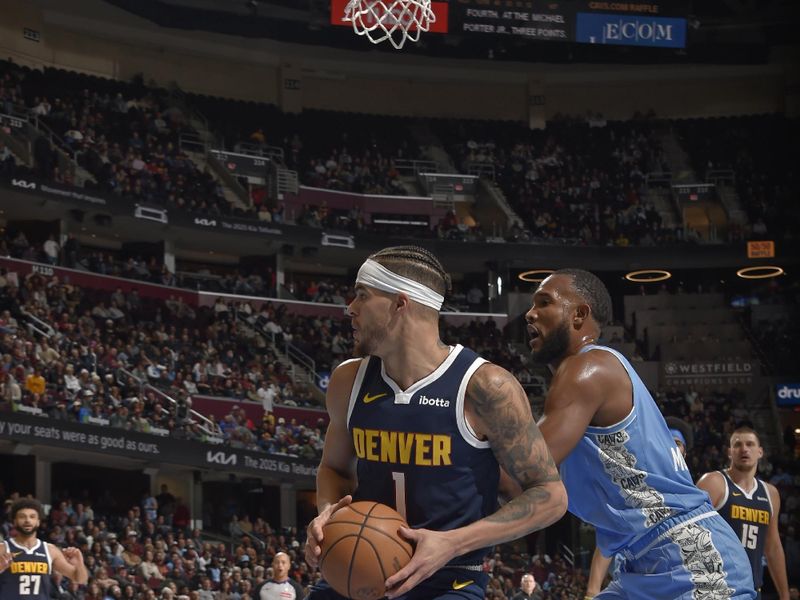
{"points": [[751, 507], [620, 465], [26, 562], [425, 427]]}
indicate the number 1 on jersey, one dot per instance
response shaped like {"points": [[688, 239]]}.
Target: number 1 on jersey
{"points": [[400, 493]]}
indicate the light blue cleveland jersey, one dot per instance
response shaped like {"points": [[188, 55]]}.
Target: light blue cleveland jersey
{"points": [[416, 451], [626, 478], [28, 575]]}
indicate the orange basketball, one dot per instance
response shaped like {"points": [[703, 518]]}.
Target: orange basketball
{"points": [[361, 548]]}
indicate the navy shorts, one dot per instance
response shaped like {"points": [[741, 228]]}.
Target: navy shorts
{"points": [[449, 583]]}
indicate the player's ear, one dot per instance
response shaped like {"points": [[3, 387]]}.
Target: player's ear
{"points": [[582, 312], [401, 302]]}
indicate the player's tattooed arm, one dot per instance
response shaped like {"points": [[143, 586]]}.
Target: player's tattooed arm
{"points": [[498, 410], [501, 412]]}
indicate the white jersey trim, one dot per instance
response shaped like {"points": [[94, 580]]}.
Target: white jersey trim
{"points": [[46, 547], [362, 369], [466, 430], [769, 497], [31, 551], [749, 495], [404, 396], [724, 499]]}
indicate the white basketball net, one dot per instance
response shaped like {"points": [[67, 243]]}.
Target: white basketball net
{"points": [[394, 21]]}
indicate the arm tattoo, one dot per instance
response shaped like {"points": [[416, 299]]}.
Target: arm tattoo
{"points": [[500, 403]]}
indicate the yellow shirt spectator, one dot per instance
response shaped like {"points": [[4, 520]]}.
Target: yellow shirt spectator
{"points": [[34, 383]]}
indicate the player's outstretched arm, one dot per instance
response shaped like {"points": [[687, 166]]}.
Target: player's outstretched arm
{"points": [[69, 563], [336, 476], [773, 549], [498, 409]]}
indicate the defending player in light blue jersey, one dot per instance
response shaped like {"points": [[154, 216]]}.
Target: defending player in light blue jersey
{"points": [[619, 462]]}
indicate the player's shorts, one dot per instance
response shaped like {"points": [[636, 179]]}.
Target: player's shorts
{"points": [[694, 556], [449, 583]]}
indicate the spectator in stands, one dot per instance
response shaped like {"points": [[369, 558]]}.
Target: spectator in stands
{"points": [[528, 589]]}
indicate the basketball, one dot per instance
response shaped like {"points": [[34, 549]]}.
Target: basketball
{"points": [[361, 548]]}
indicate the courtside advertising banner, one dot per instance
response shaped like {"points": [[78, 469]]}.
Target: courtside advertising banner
{"points": [[787, 394], [653, 24], [44, 431], [630, 30]]}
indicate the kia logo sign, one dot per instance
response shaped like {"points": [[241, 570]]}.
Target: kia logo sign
{"points": [[788, 394], [205, 222], [221, 458], [21, 183]]}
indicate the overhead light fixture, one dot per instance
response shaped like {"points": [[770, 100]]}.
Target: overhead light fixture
{"points": [[760, 272], [535, 275], [648, 275]]}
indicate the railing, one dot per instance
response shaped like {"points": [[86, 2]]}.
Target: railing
{"points": [[408, 167], [296, 355], [271, 152], [721, 177], [442, 195], [42, 327], [481, 169], [658, 178], [205, 424], [15, 133], [32, 329], [292, 352], [500, 199], [178, 96], [287, 181], [66, 160], [568, 554], [192, 142]]}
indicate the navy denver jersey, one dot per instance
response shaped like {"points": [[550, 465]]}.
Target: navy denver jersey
{"points": [[417, 453], [749, 514], [28, 576]]}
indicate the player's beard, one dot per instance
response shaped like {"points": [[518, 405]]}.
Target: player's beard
{"points": [[26, 532], [369, 338], [554, 346]]}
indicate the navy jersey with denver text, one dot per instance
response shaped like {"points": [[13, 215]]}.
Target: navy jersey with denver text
{"points": [[749, 514], [28, 575], [417, 453]]}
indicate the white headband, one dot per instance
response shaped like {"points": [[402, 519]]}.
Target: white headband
{"points": [[375, 275]]}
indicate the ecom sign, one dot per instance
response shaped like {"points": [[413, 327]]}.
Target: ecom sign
{"points": [[630, 30], [788, 394]]}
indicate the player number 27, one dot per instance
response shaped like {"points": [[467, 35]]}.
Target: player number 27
{"points": [[26, 582], [749, 536], [400, 493]]}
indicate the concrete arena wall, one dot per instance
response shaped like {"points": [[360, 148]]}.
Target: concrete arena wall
{"points": [[97, 38]]}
